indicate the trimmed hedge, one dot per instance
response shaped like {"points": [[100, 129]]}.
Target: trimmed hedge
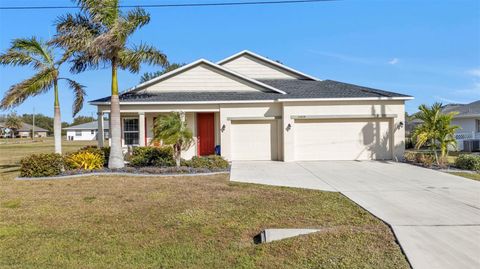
{"points": [[41, 165], [152, 156], [468, 162], [212, 162]]}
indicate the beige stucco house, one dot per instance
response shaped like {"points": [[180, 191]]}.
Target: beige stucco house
{"points": [[258, 109]]}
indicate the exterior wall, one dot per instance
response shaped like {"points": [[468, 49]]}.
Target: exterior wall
{"points": [[279, 112], [466, 125], [201, 78], [86, 135], [251, 67], [246, 111], [343, 108]]}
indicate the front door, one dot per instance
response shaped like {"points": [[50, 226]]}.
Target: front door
{"points": [[205, 133]]}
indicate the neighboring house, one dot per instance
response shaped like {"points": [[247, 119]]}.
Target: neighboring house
{"points": [[26, 131], [468, 118], [258, 109], [85, 131]]}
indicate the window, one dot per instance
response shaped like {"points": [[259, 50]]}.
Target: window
{"points": [[105, 134], [478, 125], [78, 133], [92, 131], [130, 131]]}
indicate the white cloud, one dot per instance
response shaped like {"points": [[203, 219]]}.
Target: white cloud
{"points": [[474, 72], [393, 61], [446, 100]]}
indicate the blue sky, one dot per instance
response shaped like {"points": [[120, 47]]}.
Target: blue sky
{"points": [[428, 49]]}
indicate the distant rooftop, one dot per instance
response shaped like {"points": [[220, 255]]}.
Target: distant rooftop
{"points": [[26, 128], [93, 125]]}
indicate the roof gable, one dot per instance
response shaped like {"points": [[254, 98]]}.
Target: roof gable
{"points": [[259, 67], [202, 76]]}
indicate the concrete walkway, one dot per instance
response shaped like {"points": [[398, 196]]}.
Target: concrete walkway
{"points": [[435, 216]]}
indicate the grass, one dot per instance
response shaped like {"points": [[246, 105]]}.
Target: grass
{"points": [[181, 222], [474, 176]]}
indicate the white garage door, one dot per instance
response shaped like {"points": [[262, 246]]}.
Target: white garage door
{"points": [[349, 139], [254, 140]]}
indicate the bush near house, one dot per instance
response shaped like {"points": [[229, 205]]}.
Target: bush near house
{"points": [[426, 159], [152, 156], [41, 165], [468, 162], [88, 158], [212, 162]]}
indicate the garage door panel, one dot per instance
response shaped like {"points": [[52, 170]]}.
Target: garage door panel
{"points": [[349, 139], [254, 140]]}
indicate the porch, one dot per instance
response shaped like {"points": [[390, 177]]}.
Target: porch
{"points": [[137, 130]]}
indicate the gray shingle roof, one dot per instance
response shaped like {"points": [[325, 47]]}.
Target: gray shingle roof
{"points": [[295, 89], [93, 125], [26, 128], [464, 110]]}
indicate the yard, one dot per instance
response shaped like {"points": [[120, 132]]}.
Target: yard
{"points": [[178, 222]]}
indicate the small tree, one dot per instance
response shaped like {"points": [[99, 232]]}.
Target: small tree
{"points": [[170, 67], [13, 123], [172, 130], [436, 130]]}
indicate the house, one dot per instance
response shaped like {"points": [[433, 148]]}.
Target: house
{"points": [[85, 131], [258, 109], [26, 131], [468, 118]]}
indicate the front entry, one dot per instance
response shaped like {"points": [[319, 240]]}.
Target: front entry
{"points": [[205, 134]]}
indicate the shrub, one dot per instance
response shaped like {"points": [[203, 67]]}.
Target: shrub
{"points": [[41, 165], [152, 156], [468, 162], [86, 159], [212, 162], [423, 158]]}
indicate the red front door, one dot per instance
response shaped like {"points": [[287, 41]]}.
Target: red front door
{"points": [[205, 133]]}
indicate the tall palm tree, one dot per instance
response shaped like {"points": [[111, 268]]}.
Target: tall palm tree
{"points": [[172, 130], [41, 57], [97, 37], [436, 129]]}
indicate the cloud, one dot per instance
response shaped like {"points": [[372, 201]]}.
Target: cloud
{"points": [[343, 57], [393, 61], [446, 100], [474, 72]]}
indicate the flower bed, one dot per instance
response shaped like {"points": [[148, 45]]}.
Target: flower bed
{"points": [[144, 160]]}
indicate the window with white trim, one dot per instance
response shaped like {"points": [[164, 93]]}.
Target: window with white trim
{"points": [[478, 126], [130, 131], [78, 133]]}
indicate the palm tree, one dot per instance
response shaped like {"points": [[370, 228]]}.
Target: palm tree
{"points": [[39, 55], [97, 37], [435, 129], [13, 122], [148, 76], [172, 130]]}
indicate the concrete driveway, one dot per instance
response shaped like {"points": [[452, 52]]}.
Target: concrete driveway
{"points": [[434, 215]]}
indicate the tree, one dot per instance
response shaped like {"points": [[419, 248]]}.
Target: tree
{"points": [[41, 121], [41, 57], [82, 119], [435, 130], [172, 130], [151, 75], [97, 37], [13, 122]]}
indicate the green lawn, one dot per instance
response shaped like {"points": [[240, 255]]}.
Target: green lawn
{"points": [[474, 176], [179, 222]]}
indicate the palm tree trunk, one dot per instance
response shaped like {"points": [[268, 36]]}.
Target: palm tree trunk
{"points": [[57, 121], [178, 154], [116, 153], [434, 146]]}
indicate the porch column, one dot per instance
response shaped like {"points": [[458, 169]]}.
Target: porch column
{"points": [[141, 127], [100, 129]]}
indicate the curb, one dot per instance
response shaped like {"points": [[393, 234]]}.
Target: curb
{"points": [[119, 174]]}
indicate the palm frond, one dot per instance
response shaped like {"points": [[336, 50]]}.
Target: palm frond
{"points": [[135, 19], [14, 58], [132, 58], [79, 91], [33, 47], [39, 83], [103, 11]]}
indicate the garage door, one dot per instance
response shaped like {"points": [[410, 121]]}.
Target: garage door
{"points": [[346, 139], [254, 140]]}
